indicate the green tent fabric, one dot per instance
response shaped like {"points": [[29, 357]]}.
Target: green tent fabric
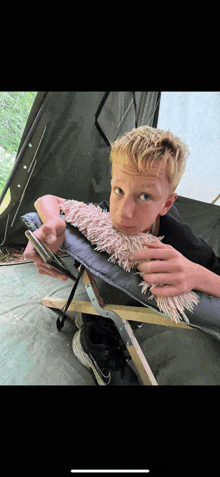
{"points": [[64, 149]]}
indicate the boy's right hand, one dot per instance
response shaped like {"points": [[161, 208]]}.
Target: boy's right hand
{"points": [[52, 233]]}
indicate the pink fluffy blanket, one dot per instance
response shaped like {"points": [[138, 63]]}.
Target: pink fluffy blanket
{"points": [[96, 225]]}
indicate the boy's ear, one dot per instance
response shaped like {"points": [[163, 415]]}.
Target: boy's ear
{"points": [[169, 202]]}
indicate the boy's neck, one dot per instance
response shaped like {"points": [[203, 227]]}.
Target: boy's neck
{"points": [[155, 226]]}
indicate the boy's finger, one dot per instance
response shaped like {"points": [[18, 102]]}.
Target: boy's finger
{"points": [[47, 270], [31, 254], [51, 238], [45, 233], [156, 244], [165, 291], [151, 254]]}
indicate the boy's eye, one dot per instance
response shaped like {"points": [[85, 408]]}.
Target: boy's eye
{"points": [[118, 190], [145, 197]]}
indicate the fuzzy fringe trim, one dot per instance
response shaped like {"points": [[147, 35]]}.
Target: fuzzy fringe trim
{"points": [[96, 225]]}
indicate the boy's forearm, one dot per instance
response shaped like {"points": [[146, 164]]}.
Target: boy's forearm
{"points": [[48, 207], [207, 281]]}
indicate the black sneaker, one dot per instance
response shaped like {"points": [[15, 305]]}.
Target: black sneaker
{"points": [[99, 347], [82, 318]]}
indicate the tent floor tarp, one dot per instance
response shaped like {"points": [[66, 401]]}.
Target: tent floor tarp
{"points": [[34, 352]]}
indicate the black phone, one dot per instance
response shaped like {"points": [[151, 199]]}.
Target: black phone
{"points": [[48, 256]]}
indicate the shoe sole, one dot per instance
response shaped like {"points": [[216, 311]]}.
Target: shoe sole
{"points": [[84, 359], [79, 320]]}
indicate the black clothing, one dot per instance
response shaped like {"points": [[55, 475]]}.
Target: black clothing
{"points": [[178, 234]]}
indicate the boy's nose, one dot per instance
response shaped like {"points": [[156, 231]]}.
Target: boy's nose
{"points": [[127, 210]]}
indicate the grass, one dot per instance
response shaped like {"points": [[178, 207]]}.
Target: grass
{"points": [[14, 110], [5, 202]]}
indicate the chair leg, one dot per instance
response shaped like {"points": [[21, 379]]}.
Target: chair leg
{"points": [[124, 329], [139, 359], [96, 306]]}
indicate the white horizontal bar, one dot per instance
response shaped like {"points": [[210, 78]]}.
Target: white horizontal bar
{"points": [[110, 471]]}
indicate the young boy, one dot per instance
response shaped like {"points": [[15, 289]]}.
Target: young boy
{"points": [[147, 165]]}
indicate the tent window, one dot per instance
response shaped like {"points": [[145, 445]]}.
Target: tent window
{"points": [[14, 110], [195, 117]]}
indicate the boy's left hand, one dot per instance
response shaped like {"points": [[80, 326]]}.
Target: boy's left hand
{"points": [[167, 267]]}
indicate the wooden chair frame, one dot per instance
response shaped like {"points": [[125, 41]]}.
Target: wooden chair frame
{"points": [[121, 315]]}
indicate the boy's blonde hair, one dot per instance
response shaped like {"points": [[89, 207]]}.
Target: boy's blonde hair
{"points": [[144, 145]]}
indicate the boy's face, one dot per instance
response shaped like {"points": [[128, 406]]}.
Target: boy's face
{"points": [[137, 200]]}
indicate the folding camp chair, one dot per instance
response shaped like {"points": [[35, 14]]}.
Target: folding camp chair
{"points": [[120, 314], [205, 316]]}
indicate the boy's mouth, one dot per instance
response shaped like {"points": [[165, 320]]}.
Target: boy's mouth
{"points": [[124, 227]]}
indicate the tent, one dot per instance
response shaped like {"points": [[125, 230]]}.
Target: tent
{"points": [[64, 149]]}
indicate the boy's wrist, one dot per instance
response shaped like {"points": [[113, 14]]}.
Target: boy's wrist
{"points": [[200, 277], [206, 281]]}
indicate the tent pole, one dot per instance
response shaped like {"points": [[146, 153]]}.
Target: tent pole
{"points": [[216, 199]]}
